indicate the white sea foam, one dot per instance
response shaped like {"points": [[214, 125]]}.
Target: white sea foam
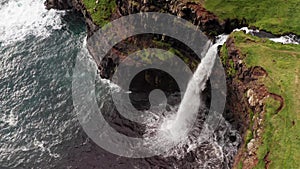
{"points": [[41, 145], [10, 119], [20, 18]]}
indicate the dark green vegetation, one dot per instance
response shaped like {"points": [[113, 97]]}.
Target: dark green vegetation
{"points": [[281, 136], [100, 10], [231, 70], [191, 62], [276, 16]]}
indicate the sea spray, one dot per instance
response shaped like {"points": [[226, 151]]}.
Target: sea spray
{"points": [[186, 131], [20, 18]]}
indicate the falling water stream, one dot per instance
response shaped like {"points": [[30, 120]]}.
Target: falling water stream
{"points": [[191, 102]]}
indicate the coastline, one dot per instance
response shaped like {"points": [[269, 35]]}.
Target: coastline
{"points": [[248, 97]]}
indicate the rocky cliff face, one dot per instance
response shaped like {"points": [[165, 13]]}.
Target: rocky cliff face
{"points": [[246, 103], [194, 12], [237, 106]]}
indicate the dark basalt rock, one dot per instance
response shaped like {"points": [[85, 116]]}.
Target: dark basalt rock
{"points": [[264, 34]]}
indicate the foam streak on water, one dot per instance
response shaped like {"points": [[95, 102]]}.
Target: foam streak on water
{"points": [[20, 18]]}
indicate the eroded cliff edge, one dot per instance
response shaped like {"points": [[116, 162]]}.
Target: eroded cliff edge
{"points": [[251, 100]]}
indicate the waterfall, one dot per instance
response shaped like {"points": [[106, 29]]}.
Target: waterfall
{"points": [[191, 102]]}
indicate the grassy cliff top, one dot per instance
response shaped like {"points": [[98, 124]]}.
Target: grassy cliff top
{"points": [[100, 10], [281, 136], [276, 16]]}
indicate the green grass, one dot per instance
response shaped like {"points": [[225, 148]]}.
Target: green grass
{"points": [[230, 71], [101, 11], [249, 133], [192, 63], [276, 16], [282, 62]]}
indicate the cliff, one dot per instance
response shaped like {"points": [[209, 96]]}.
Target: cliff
{"points": [[262, 76]]}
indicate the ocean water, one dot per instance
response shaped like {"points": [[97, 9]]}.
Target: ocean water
{"points": [[37, 53]]}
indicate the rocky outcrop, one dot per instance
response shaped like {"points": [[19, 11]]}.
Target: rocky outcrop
{"points": [[238, 107], [189, 10], [207, 21], [76, 5]]}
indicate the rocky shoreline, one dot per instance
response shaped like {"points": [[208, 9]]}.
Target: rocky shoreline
{"points": [[243, 81]]}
